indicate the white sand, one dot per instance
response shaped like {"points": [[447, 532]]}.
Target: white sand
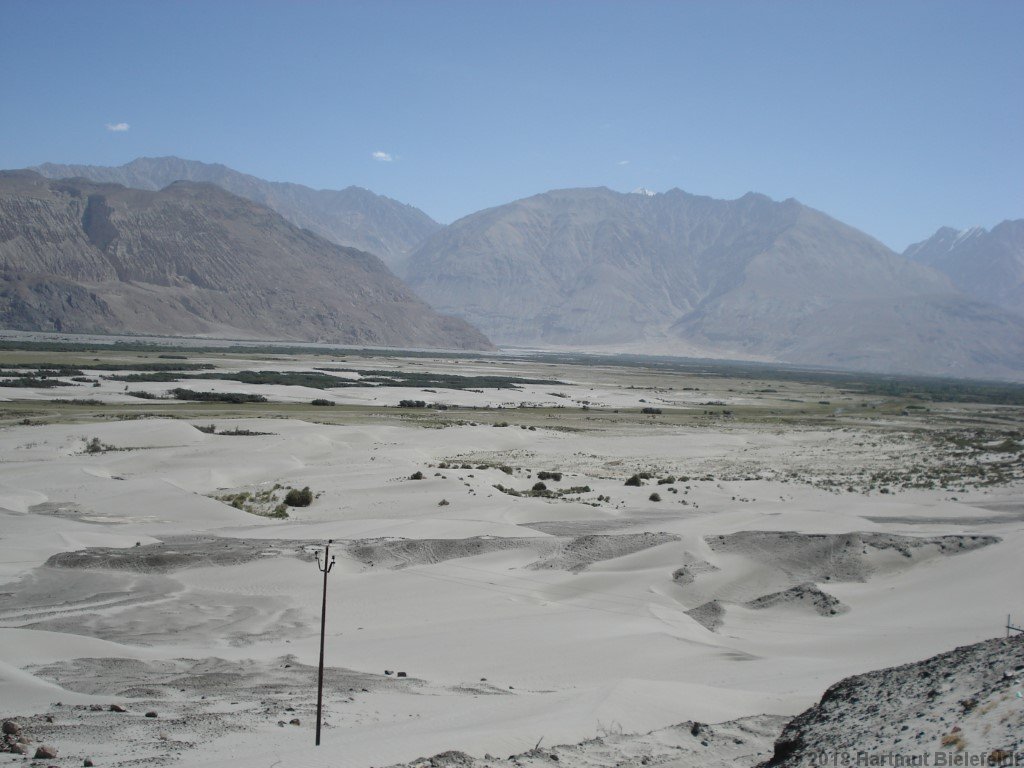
{"points": [[564, 654]]}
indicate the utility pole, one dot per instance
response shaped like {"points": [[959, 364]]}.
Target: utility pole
{"points": [[1010, 627], [325, 568]]}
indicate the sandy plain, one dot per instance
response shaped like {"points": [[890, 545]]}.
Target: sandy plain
{"points": [[798, 542]]}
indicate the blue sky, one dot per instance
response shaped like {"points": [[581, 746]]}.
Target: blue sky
{"points": [[896, 117]]}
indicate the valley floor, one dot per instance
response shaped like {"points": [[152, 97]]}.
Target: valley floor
{"points": [[777, 537]]}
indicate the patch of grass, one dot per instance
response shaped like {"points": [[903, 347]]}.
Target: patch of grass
{"points": [[32, 382], [264, 502], [144, 395], [93, 445]]}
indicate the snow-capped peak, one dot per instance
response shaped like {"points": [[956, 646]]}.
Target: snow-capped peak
{"points": [[644, 191]]}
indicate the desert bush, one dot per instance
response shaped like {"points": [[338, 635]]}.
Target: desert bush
{"points": [[417, 475], [666, 480], [546, 475], [412, 404], [321, 401], [297, 498], [236, 398], [539, 487], [655, 497], [634, 481]]}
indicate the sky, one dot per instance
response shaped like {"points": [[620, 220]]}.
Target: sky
{"points": [[897, 117]]}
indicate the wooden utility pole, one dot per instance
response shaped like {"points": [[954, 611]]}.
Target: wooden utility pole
{"points": [[1010, 627], [325, 568]]}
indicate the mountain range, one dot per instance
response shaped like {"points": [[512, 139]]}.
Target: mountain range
{"points": [[986, 264], [353, 216], [675, 273], [670, 273], [194, 259]]}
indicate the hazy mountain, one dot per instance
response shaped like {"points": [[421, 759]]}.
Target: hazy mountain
{"points": [[352, 216], [194, 259], [677, 273], [988, 265]]}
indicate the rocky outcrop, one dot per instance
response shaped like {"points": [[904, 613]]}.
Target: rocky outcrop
{"points": [[961, 704]]}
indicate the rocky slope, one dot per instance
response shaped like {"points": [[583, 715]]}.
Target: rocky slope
{"points": [[194, 259], [987, 265], [675, 273], [353, 216], [960, 704]]}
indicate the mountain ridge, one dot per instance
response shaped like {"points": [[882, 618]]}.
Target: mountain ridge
{"points": [[354, 216], [194, 259], [676, 273], [988, 264]]}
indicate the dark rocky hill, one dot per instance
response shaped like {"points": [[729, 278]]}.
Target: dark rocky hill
{"points": [[194, 259]]}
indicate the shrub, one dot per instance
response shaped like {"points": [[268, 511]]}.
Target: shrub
{"points": [[236, 398], [443, 503], [412, 404], [297, 498], [667, 480], [545, 475], [651, 411], [634, 481], [209, 429], [94, 446], [417, 475], [655, 497], [321, 401], [539, 487]]}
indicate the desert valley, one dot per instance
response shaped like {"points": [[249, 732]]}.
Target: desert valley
{"points": [[458, 384], [532, 551]]}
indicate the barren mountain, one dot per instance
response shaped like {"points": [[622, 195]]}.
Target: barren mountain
{"points": [[194, 259], [352, 216], [987, 265], [678, 273]]}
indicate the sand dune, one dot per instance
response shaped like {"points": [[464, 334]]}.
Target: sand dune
{"points": [[123, 579]]}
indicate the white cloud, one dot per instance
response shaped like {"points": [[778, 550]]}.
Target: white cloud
{"points": [[623, 162], [384, 157], [118, 127]]}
